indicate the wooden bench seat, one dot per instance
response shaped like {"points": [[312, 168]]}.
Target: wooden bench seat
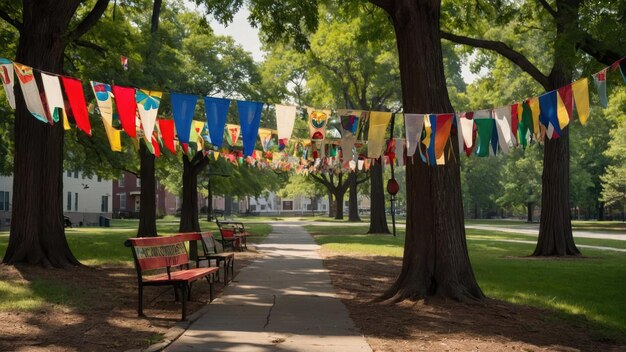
{"points": [[211, 253], [170, 253], [234, 234]]}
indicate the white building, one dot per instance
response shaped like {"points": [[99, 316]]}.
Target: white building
{"points": [[85, 199]]}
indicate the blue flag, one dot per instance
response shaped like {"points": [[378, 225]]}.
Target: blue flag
{"points": [[249, 119], [183, 107], [216, 113], [547, 104]]}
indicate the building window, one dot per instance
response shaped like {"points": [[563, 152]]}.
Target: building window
{"points": [[69, 201], [120, 182], [75, 201], [287, 205], [4, 201], [69, 173], [138, 182], [123, 201], [104, 207], [75, 174], [99, 178]]}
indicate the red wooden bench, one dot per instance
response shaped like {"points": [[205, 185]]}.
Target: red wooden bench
{"points": [[234, 234], [169, 253]]}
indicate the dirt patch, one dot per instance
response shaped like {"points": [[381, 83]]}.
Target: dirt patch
{"points": [[450, 326], [104, 318]]}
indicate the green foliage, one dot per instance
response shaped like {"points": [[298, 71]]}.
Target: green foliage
{"points": [[520, 178], [613, 180]]}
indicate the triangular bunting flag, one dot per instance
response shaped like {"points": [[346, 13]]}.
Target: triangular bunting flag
{"points": [[8, 81], [183, 108], [54, 96], [580, 90], [414, 125], [377, 131], [249, 119], [30, 91], [76, 98], [600, 81], [148, 102], [216, 112], [126, 108], [285, 118]]}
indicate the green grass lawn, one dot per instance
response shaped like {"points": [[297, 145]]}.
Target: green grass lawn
{"points": [[593, 288], [91, 246]]}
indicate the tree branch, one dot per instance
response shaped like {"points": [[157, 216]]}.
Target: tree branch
{"points": [[89, 21], [386, 5], [598, 50], [90, 45], [501, 48], [13, 22], [367, 176], [548, 8]]}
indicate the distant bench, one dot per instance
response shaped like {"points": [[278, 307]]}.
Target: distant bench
{"points": [[169, 253], [234, 234]]}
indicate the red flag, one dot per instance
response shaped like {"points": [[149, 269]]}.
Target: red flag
{"points": [[126, 108], [76, 97], [515, 121], [124, 62], [167, 132], [155, 146]]}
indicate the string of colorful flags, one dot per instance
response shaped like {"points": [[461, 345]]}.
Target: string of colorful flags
{"points": [[57, 98]]}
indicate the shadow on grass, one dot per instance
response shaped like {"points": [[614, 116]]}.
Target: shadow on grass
{"points": [[360, 280]]}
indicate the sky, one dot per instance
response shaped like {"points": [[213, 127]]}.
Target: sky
{"points": [[248, 37], [242, 33]]}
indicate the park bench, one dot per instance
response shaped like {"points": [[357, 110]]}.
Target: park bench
{"points": [[234, 234], [153, 254], [210, 252]]}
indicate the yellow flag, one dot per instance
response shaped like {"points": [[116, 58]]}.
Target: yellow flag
{"points": [[114, 137], [66, 123], [377, 131], [580, 90], [561, 112], [534, 107]]}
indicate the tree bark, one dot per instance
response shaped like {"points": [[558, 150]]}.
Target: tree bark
{"points": [[147, 199], [228, 205], [529, 207], [555, 229], [378, 218], [37, 234], [353, 200], [436, 261], [339, 206], [189, 218]]}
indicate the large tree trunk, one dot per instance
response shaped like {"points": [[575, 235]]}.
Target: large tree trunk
{"points": [[378, 218], [529, 208], [353, 200], [37, 234], [436, 261], [339, 206], [189, 220], [555, 229], [147, 199], [228, 205]]}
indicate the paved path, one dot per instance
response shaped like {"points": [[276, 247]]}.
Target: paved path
{"points": [[533, 230], [282, 302], [601, 248]]}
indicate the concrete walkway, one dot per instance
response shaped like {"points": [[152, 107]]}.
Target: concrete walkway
{"points": [[533, 230], [282, 302]]}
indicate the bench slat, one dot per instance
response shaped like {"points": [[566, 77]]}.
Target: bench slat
{"points": [[184, 275]]}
